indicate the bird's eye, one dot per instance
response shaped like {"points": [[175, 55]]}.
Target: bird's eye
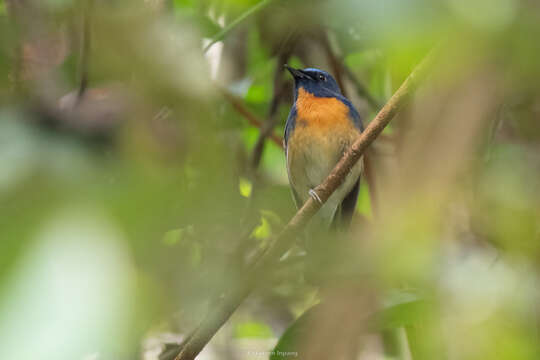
{"points": [[322, 77]]}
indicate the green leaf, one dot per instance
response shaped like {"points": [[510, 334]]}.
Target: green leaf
{"points": [[252, 329], [206, 25], [289, 343], [262, 231], [173, 237], [221, 35], [182, 4], [258, 94], [245, 186], [399, 309], [363, 205], [295, 62], [273, 218], [180, 237]]}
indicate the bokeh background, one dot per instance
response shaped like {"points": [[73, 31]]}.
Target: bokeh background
{"points": [[141, 169]]}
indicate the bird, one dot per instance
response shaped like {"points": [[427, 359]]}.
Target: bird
{"points": [[322, 124]]}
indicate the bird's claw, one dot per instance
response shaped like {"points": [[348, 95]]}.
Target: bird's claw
{"points": [[314, 195]]}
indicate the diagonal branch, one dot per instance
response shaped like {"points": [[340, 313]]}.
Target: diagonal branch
{"points": [[231, 300], [251, 118], [339, 69]]}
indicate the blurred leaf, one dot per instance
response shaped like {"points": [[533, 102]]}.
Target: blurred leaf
{"points": [[189, 11], [399, 309], [258, 94], [180, 237], [250, 135], [253, 329], [206, 25], [295, 62], [183, 4], [238, 20], [58, 287], [274, 219], [173, 237], [289, 343], [262, 231], [245, 187], [58, 4], [363, 205]]}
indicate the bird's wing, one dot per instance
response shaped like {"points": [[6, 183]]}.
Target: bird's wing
{"points": [[290, 124], [355, 116], [345, 211], [289, 128], [297, 199], [343, 216]]}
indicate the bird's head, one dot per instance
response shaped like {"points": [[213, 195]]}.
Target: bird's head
{"points": [[315, 81]]}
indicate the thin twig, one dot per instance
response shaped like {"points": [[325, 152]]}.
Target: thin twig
{"points": [[250, 117], [227, 29], [85, 49], [255, 121], [361, 88], [338, 70], [271, 122], [335, 63], [230, 302]]}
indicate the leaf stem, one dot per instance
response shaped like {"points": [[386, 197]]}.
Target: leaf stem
{"points": [[227, 29]]}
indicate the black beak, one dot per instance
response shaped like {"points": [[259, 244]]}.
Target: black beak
{"points": [[297, 73]]}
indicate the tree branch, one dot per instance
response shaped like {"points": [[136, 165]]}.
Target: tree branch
{"points": [[231, 300], [251, 118], [339, 68]]}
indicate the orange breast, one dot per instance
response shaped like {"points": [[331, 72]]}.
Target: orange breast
{"points": [[321, 115], [323, 131]]}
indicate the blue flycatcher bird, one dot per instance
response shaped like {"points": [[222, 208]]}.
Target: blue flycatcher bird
{"points": [[321, 125]]}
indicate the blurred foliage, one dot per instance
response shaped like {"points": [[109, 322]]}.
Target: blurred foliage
{"points": [[129, 203]]}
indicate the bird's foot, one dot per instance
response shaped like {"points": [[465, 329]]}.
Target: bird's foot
{"points": [[314, 195]]}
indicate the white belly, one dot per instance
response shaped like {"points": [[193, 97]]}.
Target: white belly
{"points": [[310, 166]]}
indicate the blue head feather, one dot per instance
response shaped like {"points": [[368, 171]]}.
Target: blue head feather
{"points": [[320, 84], [315, 81]]}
